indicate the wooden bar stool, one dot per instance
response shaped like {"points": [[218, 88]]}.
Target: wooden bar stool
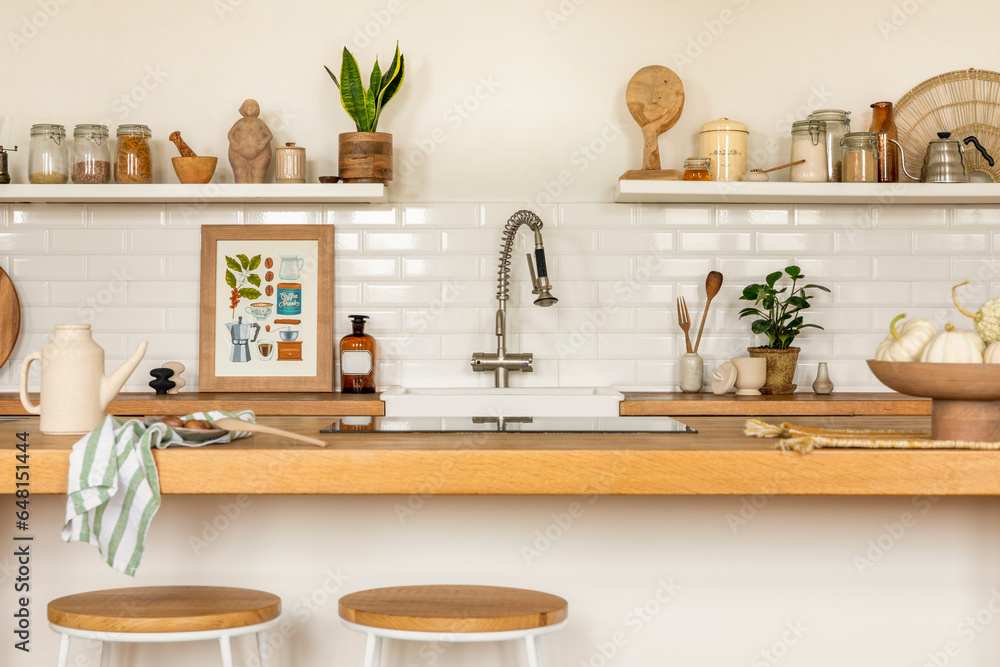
{"points": [[462, 613], [164, 614]]}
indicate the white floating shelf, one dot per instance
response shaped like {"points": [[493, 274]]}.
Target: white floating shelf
{"points": [[714, 192], [265, 193]]}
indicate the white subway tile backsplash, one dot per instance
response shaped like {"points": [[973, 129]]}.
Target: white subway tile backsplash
{"points": [[909, 268], [130, 267], [705, 242], [354, 268], [283, 214], [196, 214], [746, 215], [441, 216], [816, 242], [48, 268], [48, 216], [442, 268], [426, 273], [86, 241], [636, 243], [402, 242], [127, 216], [164, 241], [596, 216], [361, 216], [681, 215], [926, 242], [24, 243]]}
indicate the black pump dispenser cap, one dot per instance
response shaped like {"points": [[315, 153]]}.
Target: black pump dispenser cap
{"points": [[360, 319]]}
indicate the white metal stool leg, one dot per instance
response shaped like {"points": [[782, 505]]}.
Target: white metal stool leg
{"points": [[63, 650], [373, 651], [227, 651], [106, 654], [261, 646], [534, 655]]}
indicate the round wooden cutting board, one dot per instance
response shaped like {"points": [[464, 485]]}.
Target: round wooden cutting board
{"points": [[10, 316]]}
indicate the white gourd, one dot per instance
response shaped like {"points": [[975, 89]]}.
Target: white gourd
{"points": [[992, 354], [954, 346], [907, 342]]}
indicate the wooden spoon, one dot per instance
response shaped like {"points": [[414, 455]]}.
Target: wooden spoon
{"points": [[713, 283], [231, 424], [655, 98]]}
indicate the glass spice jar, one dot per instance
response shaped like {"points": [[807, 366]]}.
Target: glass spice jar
{"points": [[91, 155], [133, 160], [860, 157], [809, 144], [47, 155], [697, 169], [837, 125]]}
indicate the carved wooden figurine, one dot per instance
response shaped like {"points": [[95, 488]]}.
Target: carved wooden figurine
{"points": [[250, 145], [178, 368]]}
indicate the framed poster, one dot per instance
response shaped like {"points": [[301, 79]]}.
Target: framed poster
{"points": [[266, 308]]}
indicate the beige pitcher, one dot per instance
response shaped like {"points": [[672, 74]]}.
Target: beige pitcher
{"points": [[75, 391]]}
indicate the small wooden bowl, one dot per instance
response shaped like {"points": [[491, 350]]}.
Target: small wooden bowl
{"points": [[194, 169]]}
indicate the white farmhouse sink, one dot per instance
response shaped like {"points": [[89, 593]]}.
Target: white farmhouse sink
{"points": [[508, 402]]}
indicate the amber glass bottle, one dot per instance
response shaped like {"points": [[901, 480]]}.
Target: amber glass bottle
{"points": [[888, 154], [357, 359]]}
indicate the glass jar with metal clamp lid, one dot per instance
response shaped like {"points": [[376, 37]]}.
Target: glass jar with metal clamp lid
{"points": [[47, 155], [860, 157], [91, 155], [809, 144], [134, 160], [837, 125]]}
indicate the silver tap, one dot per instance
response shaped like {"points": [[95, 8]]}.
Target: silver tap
{"points": [[503, 363]]}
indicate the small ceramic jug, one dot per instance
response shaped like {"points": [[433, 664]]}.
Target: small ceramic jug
{"points": [[75, 391]]}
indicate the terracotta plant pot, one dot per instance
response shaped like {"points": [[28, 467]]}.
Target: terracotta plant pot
{"points": [[365, 157], [780, 368]]}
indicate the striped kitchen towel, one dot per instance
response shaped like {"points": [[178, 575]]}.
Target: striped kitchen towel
{"points": [[113, 489]]}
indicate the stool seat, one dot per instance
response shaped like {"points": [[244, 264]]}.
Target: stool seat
{"points": [[453, 609], [156, 609]]}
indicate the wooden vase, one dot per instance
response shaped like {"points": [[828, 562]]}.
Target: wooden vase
{"points": [[780, 369], [365, 157]]}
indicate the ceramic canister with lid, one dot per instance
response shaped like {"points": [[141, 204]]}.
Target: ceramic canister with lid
{"points": [[724, 142], [290, 164]]}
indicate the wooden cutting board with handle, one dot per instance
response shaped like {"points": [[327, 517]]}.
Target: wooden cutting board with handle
{"points": [[10, 316]]}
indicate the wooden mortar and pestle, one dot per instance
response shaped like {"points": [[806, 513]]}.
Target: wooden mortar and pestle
{"points": [[190, 167], [655, 98]]}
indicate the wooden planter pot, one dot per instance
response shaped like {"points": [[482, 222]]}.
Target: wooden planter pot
{"points": [[365, 157], [780, 369]]}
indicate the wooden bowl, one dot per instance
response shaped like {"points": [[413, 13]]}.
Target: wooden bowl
{"points": [[194, 169], [965, 401]]}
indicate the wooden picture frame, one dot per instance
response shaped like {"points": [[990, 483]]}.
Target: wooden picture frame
{"points": [[266, 326]]}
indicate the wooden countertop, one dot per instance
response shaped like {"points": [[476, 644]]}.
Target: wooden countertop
{"points": [[635, 403], [718, 460]]}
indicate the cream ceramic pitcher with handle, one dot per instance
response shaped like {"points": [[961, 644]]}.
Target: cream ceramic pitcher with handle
{"points": [[75, 391]]}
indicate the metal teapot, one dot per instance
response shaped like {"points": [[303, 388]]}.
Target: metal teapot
{"points": [[943, 160]]}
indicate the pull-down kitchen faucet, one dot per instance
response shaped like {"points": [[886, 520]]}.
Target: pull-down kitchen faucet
{"points": [[502, 363]]}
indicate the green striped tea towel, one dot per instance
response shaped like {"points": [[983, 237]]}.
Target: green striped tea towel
{"points": [[113, 489]]}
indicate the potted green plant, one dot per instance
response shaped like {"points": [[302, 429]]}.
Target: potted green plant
{"points": [[779, 317], [366, 155]]}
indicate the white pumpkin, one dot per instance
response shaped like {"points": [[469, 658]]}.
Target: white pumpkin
{"points": [[954, 346], [992, 354], [906, 342]]}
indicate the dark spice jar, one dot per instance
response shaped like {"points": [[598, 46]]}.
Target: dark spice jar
{"points": [[134, 160], [357, 359]]}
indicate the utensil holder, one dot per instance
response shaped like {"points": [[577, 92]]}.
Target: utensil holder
{"points": [[690, 373]]}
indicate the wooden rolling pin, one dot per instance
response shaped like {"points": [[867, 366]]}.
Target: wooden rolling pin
{"points": [[181, 146]]}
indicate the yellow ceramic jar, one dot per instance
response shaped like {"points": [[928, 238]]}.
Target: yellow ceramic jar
{"points": [[724, 142]]}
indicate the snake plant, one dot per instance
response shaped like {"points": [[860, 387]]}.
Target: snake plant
{"points": [[365, 106]]}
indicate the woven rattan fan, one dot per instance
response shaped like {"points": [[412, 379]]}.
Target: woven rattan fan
{"points": [[966, 102]]}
